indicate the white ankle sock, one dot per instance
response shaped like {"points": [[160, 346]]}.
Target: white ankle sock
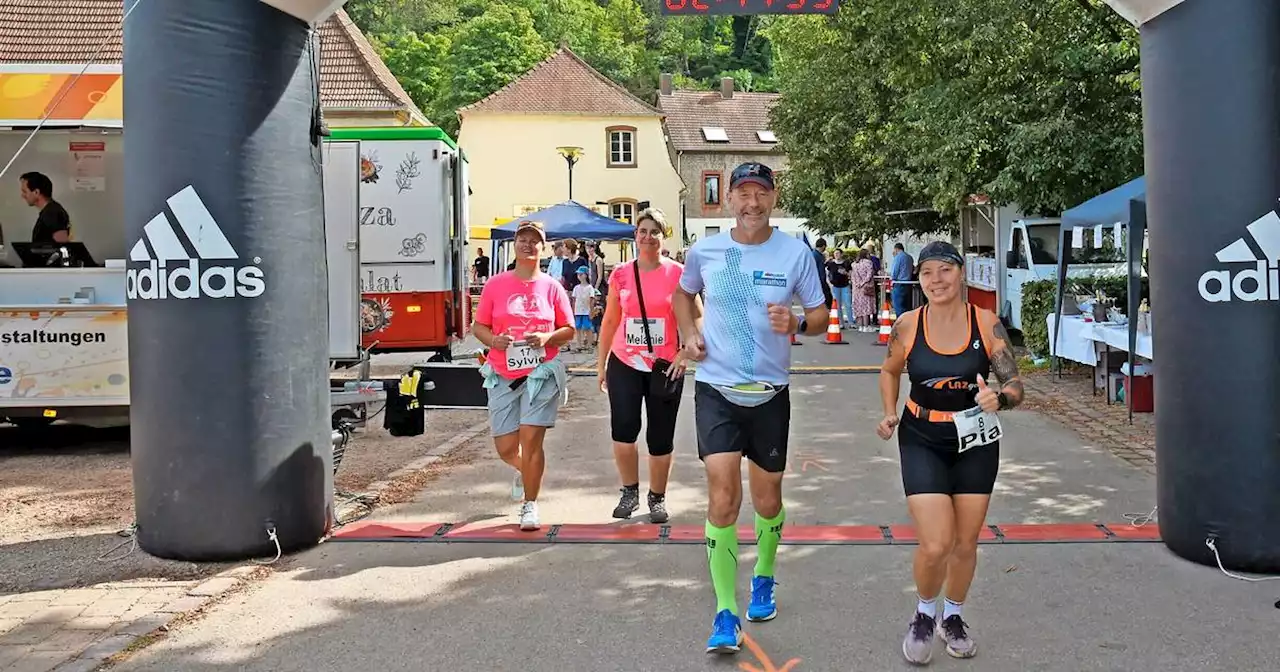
{"points": [[950, 609], [927, 607]]}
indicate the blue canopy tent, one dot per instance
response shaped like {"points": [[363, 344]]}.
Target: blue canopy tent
{"points": [[569, 219], [1125, 205]]}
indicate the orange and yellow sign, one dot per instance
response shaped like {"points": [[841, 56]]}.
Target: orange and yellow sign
{"points": [[91, 97]]}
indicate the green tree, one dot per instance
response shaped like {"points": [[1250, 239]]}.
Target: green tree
{"points": [[1033, 102], [487, 53]]}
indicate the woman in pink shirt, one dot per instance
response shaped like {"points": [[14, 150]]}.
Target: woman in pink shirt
{"points": [[643, 365], [523, 318]]}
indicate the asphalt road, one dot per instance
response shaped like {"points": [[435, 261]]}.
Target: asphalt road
{"points": [[602, 607]]}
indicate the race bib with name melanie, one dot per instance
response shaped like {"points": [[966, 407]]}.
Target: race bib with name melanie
{"points": [[524, 356], [976, 427], [657, 332]]}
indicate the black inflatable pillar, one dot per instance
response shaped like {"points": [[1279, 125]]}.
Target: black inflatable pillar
{"points": [[1211, 103], [226, 280]]}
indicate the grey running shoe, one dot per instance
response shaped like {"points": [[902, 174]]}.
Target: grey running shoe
{"points": [[917, 647], [959, 644], [658, 508], [627, 504]]}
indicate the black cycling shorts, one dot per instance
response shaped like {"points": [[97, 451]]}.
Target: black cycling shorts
{"points": [[932, 468], [758, 432], [628, 389]]}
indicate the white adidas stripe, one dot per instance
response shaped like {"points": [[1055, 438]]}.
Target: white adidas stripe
{"points": [[1266, 231], [196, 222]]}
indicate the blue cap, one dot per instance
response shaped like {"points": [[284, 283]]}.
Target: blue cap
{"points": [[752, 172], [940, 250], [583, 269]]}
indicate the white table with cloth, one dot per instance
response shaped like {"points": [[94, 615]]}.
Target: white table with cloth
{"points": [[1084, 340]]}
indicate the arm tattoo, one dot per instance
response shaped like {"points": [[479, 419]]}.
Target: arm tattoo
{"points": [[1005, 366], [893, 342]]}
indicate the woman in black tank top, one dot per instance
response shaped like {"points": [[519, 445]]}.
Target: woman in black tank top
{"points": [[948, 440]]}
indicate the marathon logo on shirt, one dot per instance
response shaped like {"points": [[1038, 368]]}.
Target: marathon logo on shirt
{"points": [[950, 383], [769, 279]]}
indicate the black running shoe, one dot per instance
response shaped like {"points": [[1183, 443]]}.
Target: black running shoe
{"points": [[658, 508], [627, 504]]}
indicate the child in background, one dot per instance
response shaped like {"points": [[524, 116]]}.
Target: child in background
{"points": [[584, 301]]}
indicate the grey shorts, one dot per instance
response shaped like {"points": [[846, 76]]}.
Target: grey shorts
{"points": [[508, 408]]}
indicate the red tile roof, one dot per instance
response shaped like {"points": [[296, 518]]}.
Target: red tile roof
{"points": [[563, 84], [352, 76], [741, 116]]}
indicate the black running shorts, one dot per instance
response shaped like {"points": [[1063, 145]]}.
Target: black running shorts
{"points": [[928, 468], [628, 389], [758, 432]]}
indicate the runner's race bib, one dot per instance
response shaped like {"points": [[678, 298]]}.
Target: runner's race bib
{"points": [[976, 428], [657, 331], [524, 356]]}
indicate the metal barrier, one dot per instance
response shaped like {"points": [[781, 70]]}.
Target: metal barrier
{"points": [[884, 286]]}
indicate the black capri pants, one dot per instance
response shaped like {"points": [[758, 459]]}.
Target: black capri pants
{"points": [[628, 389]]}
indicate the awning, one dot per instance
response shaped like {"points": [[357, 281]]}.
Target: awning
{"points": [[93, 99], [1127, 205]]}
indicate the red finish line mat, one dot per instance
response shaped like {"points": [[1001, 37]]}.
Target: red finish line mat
{"points": [[793, 535]]}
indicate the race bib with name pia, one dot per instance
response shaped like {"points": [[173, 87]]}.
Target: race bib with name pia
{"points": [[523, 356], [976, 427], [657, 331]]}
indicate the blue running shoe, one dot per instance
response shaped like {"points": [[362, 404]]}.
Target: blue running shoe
{"points": [[726, 636], [763, 607]]}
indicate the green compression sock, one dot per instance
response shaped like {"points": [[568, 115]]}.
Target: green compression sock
{"points": [[768, 536], [722, 555]]}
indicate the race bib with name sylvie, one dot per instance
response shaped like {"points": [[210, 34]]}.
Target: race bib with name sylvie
{"points": [[976, 427], [657, 331], [524, 356]]}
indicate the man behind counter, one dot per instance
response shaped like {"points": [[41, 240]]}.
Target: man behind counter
{"points": [[53, 224]]}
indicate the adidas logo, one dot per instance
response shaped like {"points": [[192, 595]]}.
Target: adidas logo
{"points": [[188, 279], [1261, 283]]}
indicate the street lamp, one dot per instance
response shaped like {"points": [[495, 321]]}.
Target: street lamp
{"points": [[571, 156], [1139, 12]]}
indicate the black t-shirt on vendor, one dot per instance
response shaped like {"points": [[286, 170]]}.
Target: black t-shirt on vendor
{"points": [[839, 279], [52, 218]]}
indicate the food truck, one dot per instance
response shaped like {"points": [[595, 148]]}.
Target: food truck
{"points": [[413, 229], [64, 328]]}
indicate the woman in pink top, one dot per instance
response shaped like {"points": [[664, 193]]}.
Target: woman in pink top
{"points": [[523, 318], [643, 366]]}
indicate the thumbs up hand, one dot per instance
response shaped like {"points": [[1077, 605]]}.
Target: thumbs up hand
{"points": [[987, 398]]}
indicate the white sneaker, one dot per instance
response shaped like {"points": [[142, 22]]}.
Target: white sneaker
{"points": [[517, 488], [529, 516]]}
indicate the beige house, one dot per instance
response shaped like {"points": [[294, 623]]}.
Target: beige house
{"points": [[712, 132], [514, 141], [59, 37]]}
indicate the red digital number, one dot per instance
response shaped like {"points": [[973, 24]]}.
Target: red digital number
{"points": [[676, 5], [700, 5], [799, 4], [822, 4]]}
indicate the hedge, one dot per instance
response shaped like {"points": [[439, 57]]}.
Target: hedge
{"points": [[1038, 301]]}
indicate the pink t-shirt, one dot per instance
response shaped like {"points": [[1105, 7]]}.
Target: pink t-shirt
{"points": [[658, 285], [515, 307]]}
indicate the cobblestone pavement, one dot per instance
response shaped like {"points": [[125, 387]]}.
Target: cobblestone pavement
{"points": [[79, 629], [1069, 400]]}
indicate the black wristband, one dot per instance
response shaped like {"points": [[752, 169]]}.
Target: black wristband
{"points": [[804, 326]]}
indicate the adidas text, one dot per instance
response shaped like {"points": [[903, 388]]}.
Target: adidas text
{"points": [[189, 281], [1254, 284]]}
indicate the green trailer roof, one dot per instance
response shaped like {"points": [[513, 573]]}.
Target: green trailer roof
{"points": [[393, 133]]}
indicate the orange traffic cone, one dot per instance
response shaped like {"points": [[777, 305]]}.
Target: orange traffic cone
{"points": [[794, 340], [834, 335], [886, 323]]}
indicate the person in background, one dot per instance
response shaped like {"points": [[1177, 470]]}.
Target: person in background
{"points": [[584, 303], [53, 224], [864, 292], [524, 318], [480, 267], [902, 270], [875, 259], [820, 258], [556, 267], [838, 269], [600, 281], [638, 377]]}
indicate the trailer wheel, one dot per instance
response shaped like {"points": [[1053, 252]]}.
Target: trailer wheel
{"points": [[344, 415], [31, 424]]}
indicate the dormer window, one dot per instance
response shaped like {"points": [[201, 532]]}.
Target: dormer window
{"points": [[767, 136], [714, 134]]}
